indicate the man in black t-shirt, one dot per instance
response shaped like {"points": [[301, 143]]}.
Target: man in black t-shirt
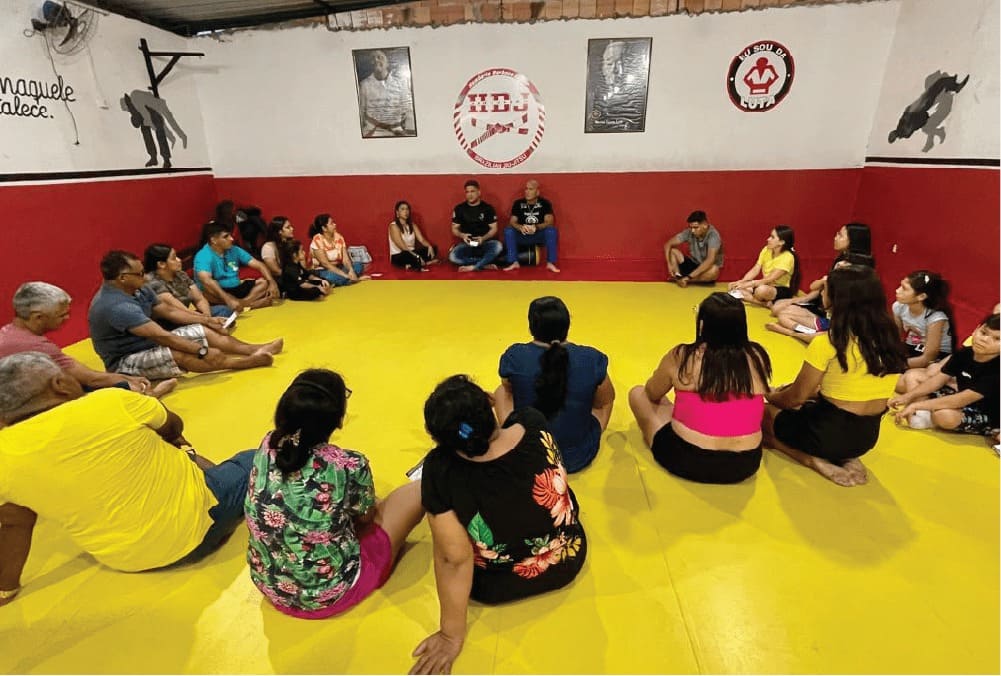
{"points": [[474, 222], [970, 407], [531, 224]]}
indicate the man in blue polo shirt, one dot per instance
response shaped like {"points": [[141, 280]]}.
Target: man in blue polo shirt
{"points": [[217, 273]]}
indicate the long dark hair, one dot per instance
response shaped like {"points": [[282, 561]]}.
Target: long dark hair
{"points": [[721, 326], [156, 253], [788, 237], [409, 226], [307, 414], [549, 322], [859, 251], [459, 416], [936, 292], [318, 223], [858, 312]]}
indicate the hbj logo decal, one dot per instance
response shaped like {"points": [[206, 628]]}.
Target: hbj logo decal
{"points": [[760, 77], [499, 118]]}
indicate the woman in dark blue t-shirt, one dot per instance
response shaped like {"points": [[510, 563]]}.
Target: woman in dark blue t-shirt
{"points": [[568, 383]]}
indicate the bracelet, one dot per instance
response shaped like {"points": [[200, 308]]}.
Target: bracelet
{"points": [[189, 450], [9, 593]]}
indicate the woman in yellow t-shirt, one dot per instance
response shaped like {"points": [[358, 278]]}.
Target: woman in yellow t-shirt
{"points": [[830, 414], [778, 265]]}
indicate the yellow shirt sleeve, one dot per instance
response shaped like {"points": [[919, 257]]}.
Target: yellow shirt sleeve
{"points": [[784, 261], [820, 352], [144, 410], [762, 257]]}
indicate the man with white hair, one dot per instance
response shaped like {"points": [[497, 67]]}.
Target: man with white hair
{"points": [[40, 308], [112, 468], [531, 224]]}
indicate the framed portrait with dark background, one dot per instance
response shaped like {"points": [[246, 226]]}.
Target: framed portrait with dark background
{"points": [[618, 74], [385, 92]]}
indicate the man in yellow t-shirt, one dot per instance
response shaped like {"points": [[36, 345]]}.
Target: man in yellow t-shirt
{"points": [[112, 468]]}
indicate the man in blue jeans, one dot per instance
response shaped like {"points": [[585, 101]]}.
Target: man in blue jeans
{"points": [[474, 222], [531, 224], [111, 468]]}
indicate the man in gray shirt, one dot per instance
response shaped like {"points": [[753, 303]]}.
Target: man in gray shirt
{"points": [[705, 258]]}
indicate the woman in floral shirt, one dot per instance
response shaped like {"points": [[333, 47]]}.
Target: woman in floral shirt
{"points": [[320, 542], [503, 519]]}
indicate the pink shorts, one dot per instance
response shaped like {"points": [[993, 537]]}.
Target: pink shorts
{"points": [[376, 565]]}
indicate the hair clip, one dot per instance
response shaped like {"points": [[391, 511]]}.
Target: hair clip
{"points": [[465, 429], [555, 342], [294, 438], [927, 279]]}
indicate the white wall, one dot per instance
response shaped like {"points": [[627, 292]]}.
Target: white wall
{"points": [[111, 66], [958, 37], [283, 102]]}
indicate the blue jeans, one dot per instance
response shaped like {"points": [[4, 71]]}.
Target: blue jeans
{"points": [[228, 482], [546, 236], [477, 256], [334, 278]]}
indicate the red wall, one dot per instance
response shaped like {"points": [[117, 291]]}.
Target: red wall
{"points": [[58, 232], [942, 219], [617, 216]]}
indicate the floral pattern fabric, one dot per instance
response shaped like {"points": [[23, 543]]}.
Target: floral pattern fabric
{"points": [[303, 552], [519, 511]]}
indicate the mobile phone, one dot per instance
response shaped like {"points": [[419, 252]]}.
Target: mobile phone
{"points": [[416, 472], [229, 320]]}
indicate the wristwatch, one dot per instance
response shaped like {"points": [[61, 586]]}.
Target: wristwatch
{"points": [[188, 450], [202, 351]]}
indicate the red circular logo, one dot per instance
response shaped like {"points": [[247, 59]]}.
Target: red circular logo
{"points": [[760, 76], [499, 118]]}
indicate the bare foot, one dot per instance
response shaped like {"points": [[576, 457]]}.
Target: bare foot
{"points": [[682, 282], [857, 470], [513, 266], [774, 327], [163, 387], [259, 358], [552, 267], [466, 268], [364, 278], [839, 475], [490, 267], [274, 347]]}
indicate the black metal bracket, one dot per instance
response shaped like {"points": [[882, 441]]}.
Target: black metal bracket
{"points": [[156, 78]]}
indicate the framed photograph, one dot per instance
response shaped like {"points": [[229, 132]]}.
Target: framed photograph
{"points": [[385, 92], [618, 73]]}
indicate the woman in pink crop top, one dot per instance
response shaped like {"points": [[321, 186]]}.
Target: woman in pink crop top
{"points": [[711, 433]]}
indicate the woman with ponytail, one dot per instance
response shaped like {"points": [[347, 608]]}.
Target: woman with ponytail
{"points": [[778, 265], [504, 522], [711, 432], [320, 541], [567, 383]]}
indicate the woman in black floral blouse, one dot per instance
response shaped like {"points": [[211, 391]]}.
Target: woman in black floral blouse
{"points": [[503, 519]]}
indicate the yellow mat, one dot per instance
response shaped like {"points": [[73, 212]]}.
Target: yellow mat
{"points": [[785, 573]]}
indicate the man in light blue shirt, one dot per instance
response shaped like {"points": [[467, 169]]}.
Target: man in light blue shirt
{"points": [[217, 273]]}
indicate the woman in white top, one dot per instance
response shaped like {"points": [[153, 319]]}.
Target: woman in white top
{"points": [[408, 248], [279, 230]]}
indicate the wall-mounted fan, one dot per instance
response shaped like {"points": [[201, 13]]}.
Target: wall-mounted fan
{"points": [[66, 26]]}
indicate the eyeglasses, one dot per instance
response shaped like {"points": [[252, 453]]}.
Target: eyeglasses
{"points": [[347, 392], [137, 274]]}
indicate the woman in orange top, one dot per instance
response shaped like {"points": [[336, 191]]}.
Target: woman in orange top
{"points": [[330, 254]]}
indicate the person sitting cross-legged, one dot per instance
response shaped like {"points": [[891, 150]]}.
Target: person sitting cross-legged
{"points": [[112, 468], [474, 222], [129, 341], [217, 272], [704, 261], [40, 308], [531, 224]]}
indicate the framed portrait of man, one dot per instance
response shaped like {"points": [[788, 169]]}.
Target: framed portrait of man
{"points": [[618, 75], [385, 92]]}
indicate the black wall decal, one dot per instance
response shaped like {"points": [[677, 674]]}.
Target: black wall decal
{"points": [[150, 115], [930, 110]]}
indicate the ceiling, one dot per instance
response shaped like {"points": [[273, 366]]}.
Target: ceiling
{"points": [[189, 17]]}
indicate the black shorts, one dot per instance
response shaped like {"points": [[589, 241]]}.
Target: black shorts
{"points": [[688, 461], [687, 266], [242, 290], [782, 292], [821, 429]]}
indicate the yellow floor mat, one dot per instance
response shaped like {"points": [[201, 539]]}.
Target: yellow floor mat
{"points": [[785, 573]]}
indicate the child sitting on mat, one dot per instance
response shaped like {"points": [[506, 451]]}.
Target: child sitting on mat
{"points": [[295, 282]]}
